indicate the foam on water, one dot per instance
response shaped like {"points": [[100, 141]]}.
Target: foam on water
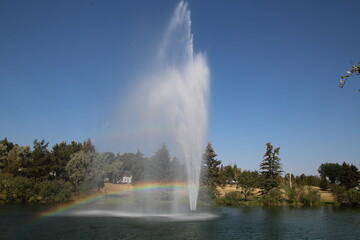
{"points": [[153, 216]]}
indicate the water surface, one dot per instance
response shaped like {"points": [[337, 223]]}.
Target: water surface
{"points": [[231, 223]]}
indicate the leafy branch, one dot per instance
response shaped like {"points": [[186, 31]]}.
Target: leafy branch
{"points": [[355, 69]]}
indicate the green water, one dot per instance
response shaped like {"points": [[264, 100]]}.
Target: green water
{"points": [[232, 223]]}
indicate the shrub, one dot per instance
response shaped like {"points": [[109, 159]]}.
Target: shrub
{"points": [[83, 188], [309, 196], [272, 198], [53, 191], [206, 195], [230, 199], [292, 194], [354, 197], [340, 194], [22, 190], [346, 197], [16, 189]]}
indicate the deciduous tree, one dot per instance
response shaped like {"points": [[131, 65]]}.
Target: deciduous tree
{"points": [[332, 171], [86, 171], [350, 176]]}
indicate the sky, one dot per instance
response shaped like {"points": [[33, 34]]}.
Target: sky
{"points": [[66, 66]]}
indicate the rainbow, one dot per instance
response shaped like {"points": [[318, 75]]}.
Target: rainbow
{"points": [[141, 187]]}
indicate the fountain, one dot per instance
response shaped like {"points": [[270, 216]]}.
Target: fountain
{"points": [[187, 92], [170, 103]]}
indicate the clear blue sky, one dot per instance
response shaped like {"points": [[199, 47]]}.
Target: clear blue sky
{"points": [[275, 65]]}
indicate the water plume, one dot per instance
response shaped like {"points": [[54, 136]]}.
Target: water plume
{"points": [[171, 102]]}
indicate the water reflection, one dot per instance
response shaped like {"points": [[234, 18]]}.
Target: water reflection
{"points": [[272, 223], [232, 223]]}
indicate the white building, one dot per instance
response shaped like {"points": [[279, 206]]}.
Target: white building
{"points": [[126, 178]]}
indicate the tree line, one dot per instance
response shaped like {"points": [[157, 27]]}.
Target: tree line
{"points": [[268, 187], [41, 174], [343, 181]]}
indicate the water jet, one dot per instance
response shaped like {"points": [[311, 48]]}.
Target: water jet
{"points": [[170, 104]]}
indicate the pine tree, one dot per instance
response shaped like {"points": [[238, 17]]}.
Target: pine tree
{"points": [[161, 165], [89, 146], [270, 168], [40, 168], [210, 170], [236, 172]]}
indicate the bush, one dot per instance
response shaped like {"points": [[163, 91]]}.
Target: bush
{"points": [[292, 194], [22, 190], [16, 189], [346, 197], [354, 197], [206, 195], [83, 188], [53, 191], [272, 198], [340, 194], [309, 196], [230, 199]]}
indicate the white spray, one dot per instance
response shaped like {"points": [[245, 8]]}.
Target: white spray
{"points": [[171, 104]]}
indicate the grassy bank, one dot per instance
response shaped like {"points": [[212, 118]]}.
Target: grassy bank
{"points": [[230, 195]]}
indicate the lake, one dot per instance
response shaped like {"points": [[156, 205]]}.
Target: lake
{"points": [[326, 222]]}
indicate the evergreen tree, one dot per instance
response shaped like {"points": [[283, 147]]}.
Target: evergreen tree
{"points": [[89, 146], [161, 165], [236, 172], [5, 148], [3, 156], [40, 168], [210, 170], [270, 168], [177, 170], [229, 174], [60, 155], [8, 145], [309, 180], [222, 176]]}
